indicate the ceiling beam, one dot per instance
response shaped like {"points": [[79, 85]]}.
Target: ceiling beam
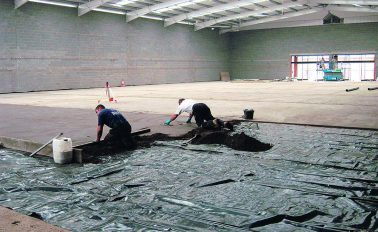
{"points": [[361, 19], [301, 22], [316, 22], [138, 13], [351, 9], [210, 10], [209, 23], [347, 2], [86, 7], [272, 18], [18, 3]]}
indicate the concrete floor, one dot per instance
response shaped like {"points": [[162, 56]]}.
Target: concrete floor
{"points": [[38, 116], [16, 222]]}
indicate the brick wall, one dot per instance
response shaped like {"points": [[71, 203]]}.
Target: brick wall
{"points": [[44, 47]]}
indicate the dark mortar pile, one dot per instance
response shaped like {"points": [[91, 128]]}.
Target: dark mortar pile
{"points": [[237, 141]]}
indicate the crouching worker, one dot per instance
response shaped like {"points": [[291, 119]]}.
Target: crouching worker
{"points": [[120, 127], [200, 111]]}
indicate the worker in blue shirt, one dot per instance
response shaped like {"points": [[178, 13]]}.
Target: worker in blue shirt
{"points": [[120, 127]]}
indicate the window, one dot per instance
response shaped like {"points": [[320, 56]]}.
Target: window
{"points": [[355, 67]]}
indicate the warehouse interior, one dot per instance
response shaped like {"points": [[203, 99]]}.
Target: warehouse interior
{"points": [[306, 68], [50, 45]]}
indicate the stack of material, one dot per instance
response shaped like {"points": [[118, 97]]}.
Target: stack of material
{"points": [[225, 76]]}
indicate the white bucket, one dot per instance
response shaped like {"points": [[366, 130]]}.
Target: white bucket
{"points": [[62, 150]]}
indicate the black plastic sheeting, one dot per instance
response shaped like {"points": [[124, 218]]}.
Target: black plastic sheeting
{"points": [[313, 179]]}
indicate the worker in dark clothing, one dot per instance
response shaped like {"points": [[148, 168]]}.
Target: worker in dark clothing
{"points": [[120, 127], [200, 111]]}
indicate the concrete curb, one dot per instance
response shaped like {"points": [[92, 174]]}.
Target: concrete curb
{"points": [[30, 146], [25, 145]]}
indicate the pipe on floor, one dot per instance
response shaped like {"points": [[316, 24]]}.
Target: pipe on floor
{"points": [[349, 90]]}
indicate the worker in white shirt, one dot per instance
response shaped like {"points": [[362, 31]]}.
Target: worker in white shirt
{"points": [[200, 111]]}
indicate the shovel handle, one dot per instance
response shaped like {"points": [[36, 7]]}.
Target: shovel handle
{"points": [[44, 145]]}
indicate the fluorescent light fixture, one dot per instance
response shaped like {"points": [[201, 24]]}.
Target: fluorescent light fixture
{"points": [[110, 11], [55, 3], [259, 15], [185, 23], [151, 17], [161, 19], [357, 5]]}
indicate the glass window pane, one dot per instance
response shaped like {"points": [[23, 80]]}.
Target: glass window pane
{"points": [[355, 67]]}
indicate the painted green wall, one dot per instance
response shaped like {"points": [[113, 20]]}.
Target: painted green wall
{"points": [[265, 54]]}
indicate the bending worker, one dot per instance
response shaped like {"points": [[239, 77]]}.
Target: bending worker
{"points": [[200, 111], [120, 127]]}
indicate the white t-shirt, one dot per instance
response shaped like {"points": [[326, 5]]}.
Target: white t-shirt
{"points": [[185, 106]]}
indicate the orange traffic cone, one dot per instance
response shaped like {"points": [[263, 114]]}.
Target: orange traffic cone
{"points": [[109, 93]]}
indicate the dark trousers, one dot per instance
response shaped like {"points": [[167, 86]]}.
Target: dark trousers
{"points": [[201, 113], [119, 133]]}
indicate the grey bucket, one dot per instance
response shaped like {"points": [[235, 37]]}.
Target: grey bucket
{"points": [[248, 114]]}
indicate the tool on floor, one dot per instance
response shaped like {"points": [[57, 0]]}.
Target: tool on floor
{"points": [[349, 90], [44, 145], [190, 140]]}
